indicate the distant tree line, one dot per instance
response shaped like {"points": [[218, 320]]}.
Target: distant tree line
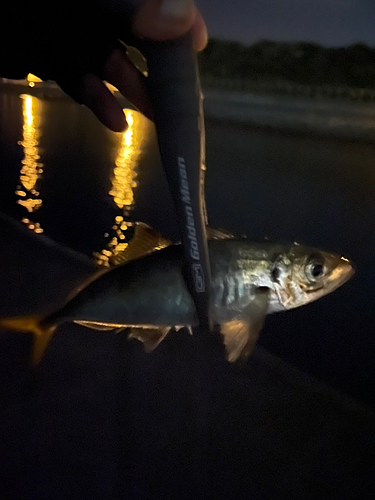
{"points": [[303, 63]]}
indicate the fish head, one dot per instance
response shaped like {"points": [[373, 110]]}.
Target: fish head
{"points": [[307, 274]]}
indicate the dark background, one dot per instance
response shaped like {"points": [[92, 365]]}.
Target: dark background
{"points": [[100, 419], [334, 23]]}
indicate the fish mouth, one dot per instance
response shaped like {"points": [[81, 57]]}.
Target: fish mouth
{"points": [[341, 274], [349, 270]]}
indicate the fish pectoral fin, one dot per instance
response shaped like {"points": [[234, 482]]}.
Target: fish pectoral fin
{"points": [[150, 337], [241, 335], [145, 241], [97, 325]]}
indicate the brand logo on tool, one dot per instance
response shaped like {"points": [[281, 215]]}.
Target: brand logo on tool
{"points": [[190, 225], [198, 277]]}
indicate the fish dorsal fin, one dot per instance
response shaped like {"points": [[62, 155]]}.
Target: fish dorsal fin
{"points": [[240, 335], [145, 241], [214, 233]]}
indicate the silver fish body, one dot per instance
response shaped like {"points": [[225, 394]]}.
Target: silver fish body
{"points": [[146, 293], [249, 280]]}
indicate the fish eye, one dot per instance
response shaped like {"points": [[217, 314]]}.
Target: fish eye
{"points": [[315, 269]]}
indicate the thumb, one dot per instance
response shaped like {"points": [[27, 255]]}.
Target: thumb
{"points": [[161, 20]]}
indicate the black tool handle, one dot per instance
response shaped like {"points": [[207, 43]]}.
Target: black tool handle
{"points": [[176, 98]]}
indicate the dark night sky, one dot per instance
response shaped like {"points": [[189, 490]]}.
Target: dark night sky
{"points": [[329, 22]]}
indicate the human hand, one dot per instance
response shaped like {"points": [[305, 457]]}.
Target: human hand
{"points": [[156, 20], [79, 49]]}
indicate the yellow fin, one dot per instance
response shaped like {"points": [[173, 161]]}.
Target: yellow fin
{"points": [[31, 324], [145, 241], [150, 337], [98, 325], [240, 335]]}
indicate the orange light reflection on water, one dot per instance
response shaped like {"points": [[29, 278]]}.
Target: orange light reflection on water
{"points": [[32, 168], [124, 181], [131, 145]]}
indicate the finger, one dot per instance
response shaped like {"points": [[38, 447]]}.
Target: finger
{"points": [[199, 32], [121, 73], [95, 95], [164, 19]]}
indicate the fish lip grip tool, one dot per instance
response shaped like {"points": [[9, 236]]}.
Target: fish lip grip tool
{"points": [[177, 104]]}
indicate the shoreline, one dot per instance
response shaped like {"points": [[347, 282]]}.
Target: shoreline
{"points": [[337, 118]]}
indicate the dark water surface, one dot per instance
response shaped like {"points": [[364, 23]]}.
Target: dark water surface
{"points": [[262, 184], [80, 183]]}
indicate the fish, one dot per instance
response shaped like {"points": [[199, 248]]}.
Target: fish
{"points": [[145, 294]]}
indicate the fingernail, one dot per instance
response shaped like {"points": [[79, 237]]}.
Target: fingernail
{"points": [[176, 9]]}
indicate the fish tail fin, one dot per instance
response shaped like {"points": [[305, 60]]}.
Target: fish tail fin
{"points": [[31, 324]]}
